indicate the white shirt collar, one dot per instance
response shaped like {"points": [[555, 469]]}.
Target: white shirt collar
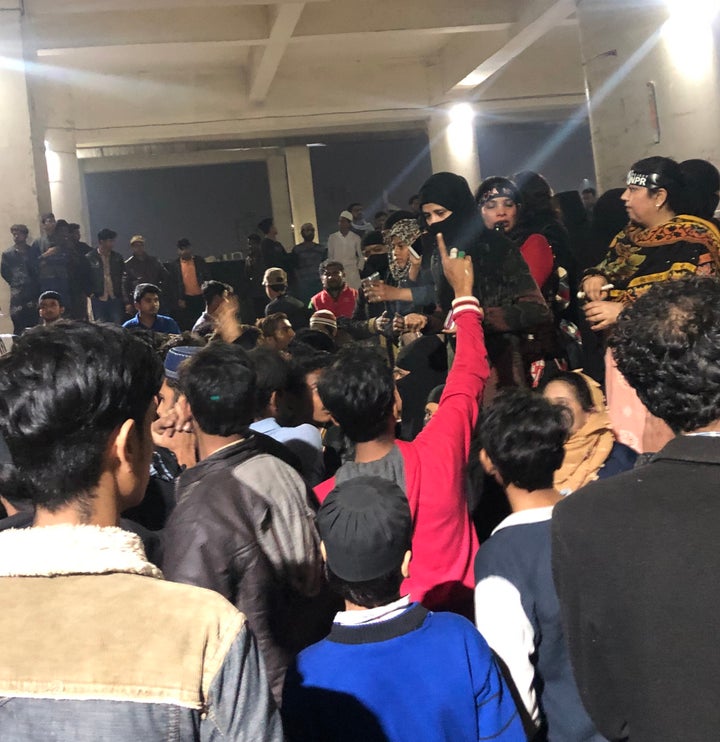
{"points": [[373, 615], [524, 517]]}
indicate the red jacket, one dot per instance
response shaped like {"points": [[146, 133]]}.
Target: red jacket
{"points": [[444, 540]]}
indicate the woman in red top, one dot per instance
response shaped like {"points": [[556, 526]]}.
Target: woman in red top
{"points": [[500, 205]]}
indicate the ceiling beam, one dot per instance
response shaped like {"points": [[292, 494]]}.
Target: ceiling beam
{"points": [[268, 60], [534, 23]]}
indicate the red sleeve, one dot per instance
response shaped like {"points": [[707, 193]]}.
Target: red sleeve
{"points": [[323, 489], [539, 256], [448, 433]]}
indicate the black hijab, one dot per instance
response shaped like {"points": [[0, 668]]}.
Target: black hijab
{"points": [[462, 228]]}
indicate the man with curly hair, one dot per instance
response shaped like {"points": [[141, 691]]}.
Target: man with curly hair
{"points": [[635, 558]]}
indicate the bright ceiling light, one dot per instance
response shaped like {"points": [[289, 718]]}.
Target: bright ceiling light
{"points": [[461, 113], [694, 11]]}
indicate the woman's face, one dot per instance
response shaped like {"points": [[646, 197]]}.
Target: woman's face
{"points": [[400, 252], [500, 210], [560, 393], [434, 213], [642, 204], [430, 410]]}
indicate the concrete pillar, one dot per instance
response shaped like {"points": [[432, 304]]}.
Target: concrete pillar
{"points": [[300, 185], [26, 193], [66, 179], [653, 81], [280, 198], [453, 142]]}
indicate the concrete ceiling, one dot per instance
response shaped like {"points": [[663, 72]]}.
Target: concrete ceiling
{"points": [[128, 72]]}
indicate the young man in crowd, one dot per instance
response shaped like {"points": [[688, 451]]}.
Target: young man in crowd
{"points": [[147, 304], [50, 307], [19, 269], [390, 670], [143, 268], [359, 392], [216, 294], [114, 651], [277, 332], [336, 295], [274, 399], [242, 525], [635, 556], [107, 291], [186, 276], [275, 282], [516, 607]]}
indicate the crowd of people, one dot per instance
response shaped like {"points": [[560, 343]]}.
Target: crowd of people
{"points": [[447, 478]]}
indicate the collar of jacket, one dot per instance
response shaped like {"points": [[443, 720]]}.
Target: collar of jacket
{"points": [[72, 550], [699, 448], [253, 444]]}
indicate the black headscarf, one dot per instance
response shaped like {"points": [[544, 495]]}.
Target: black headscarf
{"points": [[462, 228], [426, 359]]}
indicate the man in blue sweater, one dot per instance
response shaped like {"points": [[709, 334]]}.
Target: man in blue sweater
{"points": [[516, 607], [390, 670]]}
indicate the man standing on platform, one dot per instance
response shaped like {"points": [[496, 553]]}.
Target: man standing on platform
{"points": [[187, 275], [307, 256], [107, 269], [142, 268], [345, 247], [19, 268]]}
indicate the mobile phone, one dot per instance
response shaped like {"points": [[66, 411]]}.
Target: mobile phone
{"points": [[414, 253]]}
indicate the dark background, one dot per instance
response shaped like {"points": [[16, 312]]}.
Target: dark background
{"points": [[215, 206]]}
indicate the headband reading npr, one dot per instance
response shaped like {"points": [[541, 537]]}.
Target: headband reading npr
{"points": [[653, 181]]}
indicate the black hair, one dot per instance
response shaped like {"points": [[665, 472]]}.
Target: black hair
{"points": [[524, 436], [378, 214], [19, 228], [265, 224], [589, 190], [671, 176], [308, 360], [578, 385], [73, 226], [184, 339], [667, 345], [102, 235], [254, 238], [64, 389], [272, 374], [249, 337], [47, 216], [702, 183], [353, 205], [330, 263], [143, 289], [359, 392], [538, 209], [307, 339], [219, 383], [212, 289], [369, 593], [372, 238], [51, 295], [183, 242]]}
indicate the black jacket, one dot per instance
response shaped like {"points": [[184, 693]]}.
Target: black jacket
{"points": [[117, 273], [174, 285], [636, 564], [243, 527]]}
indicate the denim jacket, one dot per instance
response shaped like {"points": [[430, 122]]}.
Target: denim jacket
{"points": [[99, 647]]}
